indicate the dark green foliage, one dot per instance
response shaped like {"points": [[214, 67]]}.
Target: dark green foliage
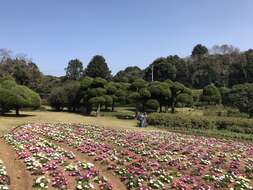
{"points": [[249, 66], [125, 116], [211, 95], [130, 74], [152, 104], [185, 99], [224, 91], [57, 98], [161, 92], [73, 95], [241, 97], [74, 71], [177, 89], [98, 68], [199, 51], [98, 82], [13, 96], [182, 121], [163, 69], [138, 84], [23, 71]]}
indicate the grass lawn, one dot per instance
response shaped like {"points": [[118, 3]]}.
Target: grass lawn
{"points": [[10, 121]]}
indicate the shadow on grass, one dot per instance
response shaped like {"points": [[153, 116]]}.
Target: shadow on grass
{"points": [[14, 115]]}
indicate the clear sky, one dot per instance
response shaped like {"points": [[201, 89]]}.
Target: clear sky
{"points": [[125, 32]]}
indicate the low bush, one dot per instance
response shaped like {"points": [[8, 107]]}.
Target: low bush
{"points": [[125, 116], [176, 120], [240, 125]]}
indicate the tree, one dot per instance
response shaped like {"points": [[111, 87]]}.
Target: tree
{"points": [[177, 89], [160, 91], [85, 86], [199, 51], [97, 101], [134, 97], [249, 66], [73, 95], [15, 96], [144, 96], [224, 49], [98, 68], [111, 91], [57, 98], [138, 84], [241, 97], [130, 74], [211, 95], [152, 104], [74, 71], [162, 68], [185, 99]]}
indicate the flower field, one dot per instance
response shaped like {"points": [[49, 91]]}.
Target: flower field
{"points": [[4, 178], [65, 156]]}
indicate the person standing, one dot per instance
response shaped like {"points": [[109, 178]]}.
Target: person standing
{"points": [[140, 118]]}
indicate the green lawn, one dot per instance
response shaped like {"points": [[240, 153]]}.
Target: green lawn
{"points": [[10, 121]]}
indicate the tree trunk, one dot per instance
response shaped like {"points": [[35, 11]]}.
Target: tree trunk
{"points": [[113, 105], [161, 108], [173, 106], [17, 111], [98, 110], [166, 108]]}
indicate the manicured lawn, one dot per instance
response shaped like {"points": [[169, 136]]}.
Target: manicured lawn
{"points": [[10, 121]]}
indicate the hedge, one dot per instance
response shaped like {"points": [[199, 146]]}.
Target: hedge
{"points": [[240, 125]]}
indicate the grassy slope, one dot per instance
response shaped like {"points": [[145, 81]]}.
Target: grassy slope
{"points": [[10, 121]]}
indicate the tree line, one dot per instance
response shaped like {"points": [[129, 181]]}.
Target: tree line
{"points": [[223, 72]]}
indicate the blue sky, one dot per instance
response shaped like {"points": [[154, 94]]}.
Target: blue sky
{"points": [[125, 32]]}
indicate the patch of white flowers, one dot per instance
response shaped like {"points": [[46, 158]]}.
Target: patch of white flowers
{"points": [[4, 182]]}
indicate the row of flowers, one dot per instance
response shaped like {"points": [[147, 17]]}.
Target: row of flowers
{"points": [[51, 165], [4, 178], [160, 160]]}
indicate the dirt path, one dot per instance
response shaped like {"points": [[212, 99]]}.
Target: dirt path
{"points": [[114, 180], [20, 177]]}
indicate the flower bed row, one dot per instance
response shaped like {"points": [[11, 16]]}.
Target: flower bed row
{"points": [[160, 160], [53, 166], [4, 178]]}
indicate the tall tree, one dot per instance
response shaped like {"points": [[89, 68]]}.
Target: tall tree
{"points": [[74, 71], [199, 51], [98, 68], [249, 66], [162, 69], [129, 74]]}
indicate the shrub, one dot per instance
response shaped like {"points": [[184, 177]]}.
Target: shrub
{"points": [[125, 116], [211, 95], [152, 104], [240, 125], [171, 120]]}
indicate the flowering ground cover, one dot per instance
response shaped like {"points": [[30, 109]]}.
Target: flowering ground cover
{"points": [[140, 160], [52, 166], [4, 178]]}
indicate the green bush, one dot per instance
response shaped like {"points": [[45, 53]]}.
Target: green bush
{"points": [[152, 104], [211, 95], [125, 116], [174, 120], [240, 125]]}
